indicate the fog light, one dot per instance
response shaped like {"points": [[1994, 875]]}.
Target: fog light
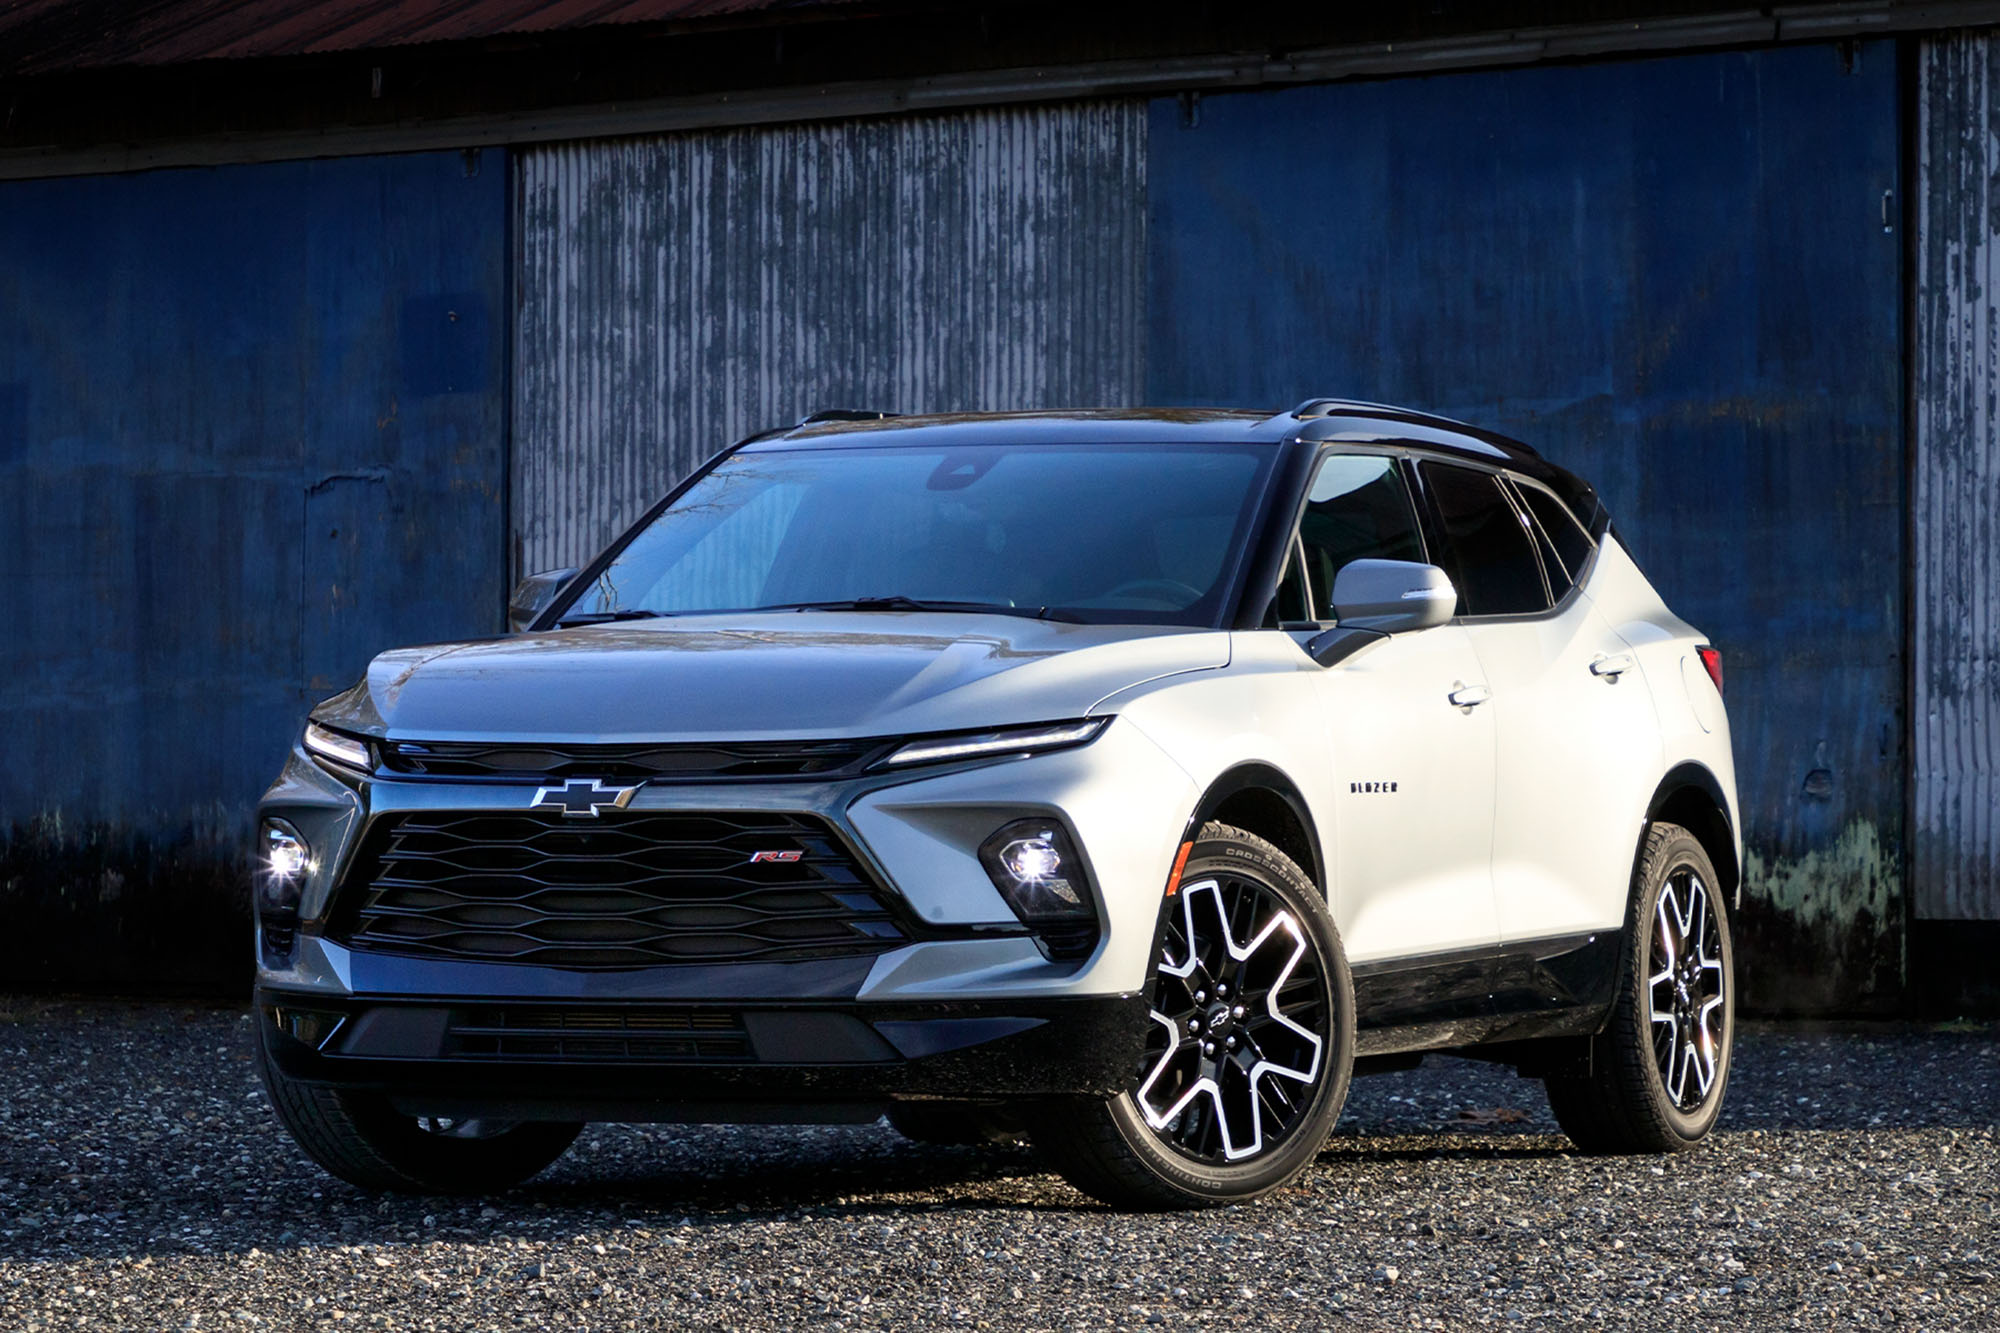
{"points": [[1036, 858], [281, 879], [1035, 866], [286, 855]]}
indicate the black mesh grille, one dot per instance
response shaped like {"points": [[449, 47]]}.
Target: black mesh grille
{"points": [[625, 890], [540, 1032], [747, 760]]}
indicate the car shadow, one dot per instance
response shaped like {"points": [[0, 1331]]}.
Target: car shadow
{"points": [[211, 1171]]}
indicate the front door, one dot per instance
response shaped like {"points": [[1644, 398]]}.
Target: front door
{"points": [[1413, 771]]}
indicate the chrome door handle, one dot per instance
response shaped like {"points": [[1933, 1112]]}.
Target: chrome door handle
{"points": [[1469, 696], [1611, 668]]}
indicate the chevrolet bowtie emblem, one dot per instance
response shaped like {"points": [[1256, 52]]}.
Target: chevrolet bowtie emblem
{"points": [[583, 799]]}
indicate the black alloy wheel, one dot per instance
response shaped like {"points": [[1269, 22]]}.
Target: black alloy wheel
{"points": [[1655, 1078], [1249, 1043], [1688, 989], [1237, 1009]]}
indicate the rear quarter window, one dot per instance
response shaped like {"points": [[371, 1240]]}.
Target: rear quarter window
{"points": [[1572, 545]]}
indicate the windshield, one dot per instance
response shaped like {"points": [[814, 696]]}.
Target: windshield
{"points": [[1135, 534]]}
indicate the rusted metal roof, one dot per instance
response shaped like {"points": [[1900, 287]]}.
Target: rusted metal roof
{"points": [[52, 36]]}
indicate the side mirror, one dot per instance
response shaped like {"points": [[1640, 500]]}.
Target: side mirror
{"points": [[1373, 599], [1392, 596], [534, 595]]}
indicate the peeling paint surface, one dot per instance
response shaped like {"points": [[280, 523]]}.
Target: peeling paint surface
{"points": [[1821, 918], [1955, 648], [236, 410], [148, 904], [679, 292]]}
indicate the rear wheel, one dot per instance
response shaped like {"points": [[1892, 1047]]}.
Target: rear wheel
{"points": [[1251, 1044], [361, 1138], [1660, 1068]]}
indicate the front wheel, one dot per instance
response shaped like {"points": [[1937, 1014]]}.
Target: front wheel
{"points": [[1659, 1069], [361, 1138], [1251, 1044]]}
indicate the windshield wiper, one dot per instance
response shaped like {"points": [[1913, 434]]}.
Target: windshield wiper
{"points": [[898, 602], [605, 617]]}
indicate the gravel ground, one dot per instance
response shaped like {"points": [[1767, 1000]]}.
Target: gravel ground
{"points": [[1855, 1183]]}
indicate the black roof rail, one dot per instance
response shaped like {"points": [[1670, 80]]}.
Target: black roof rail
{"points": [[844, 414], [1313, 408], [1326, 407]]}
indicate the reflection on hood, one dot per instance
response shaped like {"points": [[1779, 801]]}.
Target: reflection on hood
{"points": [[764, 676]]}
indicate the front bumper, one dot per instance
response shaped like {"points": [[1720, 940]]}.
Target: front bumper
{"points": [[649, 1060], [916, 832], [968, 1009]]}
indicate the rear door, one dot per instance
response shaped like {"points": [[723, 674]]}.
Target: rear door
{"points": [[1577, 739]]}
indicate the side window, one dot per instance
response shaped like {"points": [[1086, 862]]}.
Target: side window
{"points": [[1552, 565], [1358, 509], [1572, 544], [1489, 553]]}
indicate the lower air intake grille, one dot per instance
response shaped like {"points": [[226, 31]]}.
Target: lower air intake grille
{"points": [[537, 1032], [627, 890]]}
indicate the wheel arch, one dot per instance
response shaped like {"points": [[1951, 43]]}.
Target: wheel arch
{"points": [[1691, 797], [1260, 799]]}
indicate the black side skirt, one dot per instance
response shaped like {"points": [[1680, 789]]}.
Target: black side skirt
{"points": [[1524, 989]]}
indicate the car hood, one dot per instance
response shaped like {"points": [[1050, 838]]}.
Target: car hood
{"points": [[763, 677]]}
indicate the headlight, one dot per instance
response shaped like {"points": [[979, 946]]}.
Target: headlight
{"points": [[1017, 740], [336, 748]]}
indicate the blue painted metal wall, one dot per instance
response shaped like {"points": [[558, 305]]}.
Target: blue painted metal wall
{"points": [[251, 432], [1673, 276]]}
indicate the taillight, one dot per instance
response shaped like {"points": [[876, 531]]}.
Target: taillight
{"points": [[1712, 659]]}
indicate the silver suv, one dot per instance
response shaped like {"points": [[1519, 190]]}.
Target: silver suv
{"points": [[1126, 780]]}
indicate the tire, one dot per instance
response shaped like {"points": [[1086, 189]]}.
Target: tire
{"points": [[1660, 1069], [1240, 1106], [953, 1124], [359, 1137]]}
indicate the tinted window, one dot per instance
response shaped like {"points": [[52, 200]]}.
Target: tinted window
{"points": [[1552, 565], [1572, 544], [1489, 553], [1105, 533], [1358, 509], [1289, 606]]}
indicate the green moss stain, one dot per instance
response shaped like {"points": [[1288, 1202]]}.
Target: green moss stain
{"points": [[1821, 933]]}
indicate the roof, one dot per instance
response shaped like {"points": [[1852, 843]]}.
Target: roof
{"points": [[1317, 421], [43, 36]]}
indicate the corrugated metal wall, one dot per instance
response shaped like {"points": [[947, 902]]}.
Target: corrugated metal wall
{"points": [[1672, 275], [251, 433], [677, 293], [1955, 640]]}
